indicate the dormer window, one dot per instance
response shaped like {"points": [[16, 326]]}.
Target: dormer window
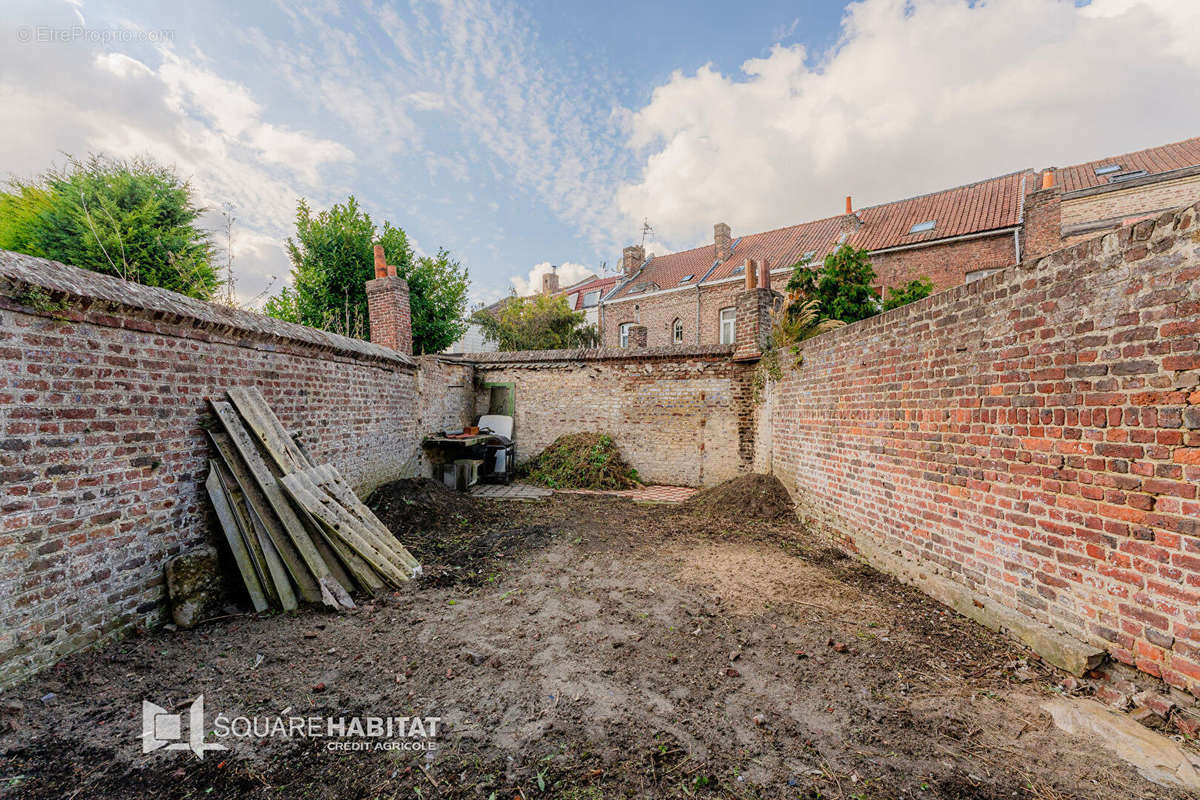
{"points": [[922, 227]]}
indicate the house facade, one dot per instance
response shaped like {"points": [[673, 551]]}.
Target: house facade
{"points": [[951, 237]]}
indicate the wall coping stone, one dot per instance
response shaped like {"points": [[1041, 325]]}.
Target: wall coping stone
{"points": [[516, 357], [95, 291]]}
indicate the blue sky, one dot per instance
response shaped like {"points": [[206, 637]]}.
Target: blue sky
{"points": [[523, 134]]}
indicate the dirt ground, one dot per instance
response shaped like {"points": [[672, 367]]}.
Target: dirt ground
{"points": [[580, 647]]}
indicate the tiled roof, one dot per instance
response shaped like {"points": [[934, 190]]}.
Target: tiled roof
{"points": [[1154, 160], [974, 208], [580, 289]]}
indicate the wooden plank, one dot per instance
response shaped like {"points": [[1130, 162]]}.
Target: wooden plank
{"points": [[332, 592], [339, 522], [237, 504], [299, 453], [279, 573], [328, 478], [305, 583], [328, 555], [364, 574], [268, 430], [233, 536]]}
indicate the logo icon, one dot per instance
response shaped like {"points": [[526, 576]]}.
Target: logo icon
{"points": [[161, 728]]}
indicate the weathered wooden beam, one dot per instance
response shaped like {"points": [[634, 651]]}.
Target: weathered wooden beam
{"points": [[328, 478], [234, 536], [257, 501], [268, 430], [333, 593]]}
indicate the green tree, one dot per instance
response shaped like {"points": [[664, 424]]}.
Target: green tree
{"points": [[841, 286], [914, 290], [132, 219], [540, 322], [332, 257]]}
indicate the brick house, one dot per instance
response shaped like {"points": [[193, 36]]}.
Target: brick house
{"points": [[951, 237]]}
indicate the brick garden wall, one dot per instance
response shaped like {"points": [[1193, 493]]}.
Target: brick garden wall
{"points": [[102, 451], [1034, 436], [682, 416]]}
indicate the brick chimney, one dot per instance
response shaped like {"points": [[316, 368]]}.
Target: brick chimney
{"points": [[1042, 232], [722, 242], [388, 307], [550, 281], [632, 258], [850, 221]]}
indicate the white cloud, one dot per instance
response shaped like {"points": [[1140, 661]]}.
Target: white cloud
{"points": [[917, 95], [568, 273]]}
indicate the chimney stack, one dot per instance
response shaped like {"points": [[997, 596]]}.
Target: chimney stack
{"points": [[722, 241], [631, 259], [550, 281], [388, 307]]}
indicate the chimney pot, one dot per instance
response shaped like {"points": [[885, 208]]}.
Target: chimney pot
{"points": [[751, 269], [1048, 179], [849, 205], [380, 262], [764, 274]]}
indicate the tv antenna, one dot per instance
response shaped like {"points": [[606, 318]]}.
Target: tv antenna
{"points": [[646, 228]]}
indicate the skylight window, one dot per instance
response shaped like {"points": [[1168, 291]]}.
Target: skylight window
{"points": [[738, 270], [808, 255], [733, 246], [687, 278], [921, 227], [1108, 169], [1126, 176]]}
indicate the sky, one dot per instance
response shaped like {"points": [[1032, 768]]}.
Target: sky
{"points": [[524, 135]]}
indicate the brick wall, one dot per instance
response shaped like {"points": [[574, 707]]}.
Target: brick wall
{"points": [[1132, 201], [102, 449], [945, 264], [1034, 436], [680, 416]]}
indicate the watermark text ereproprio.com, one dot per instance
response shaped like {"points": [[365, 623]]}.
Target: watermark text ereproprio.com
{"points": [[50, 34]]}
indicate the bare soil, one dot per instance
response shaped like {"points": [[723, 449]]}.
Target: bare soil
{"points": [[580, 647]]}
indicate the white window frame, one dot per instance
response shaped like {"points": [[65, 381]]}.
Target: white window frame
{"points": [[728, 319], [677, 331], [623, 332]]}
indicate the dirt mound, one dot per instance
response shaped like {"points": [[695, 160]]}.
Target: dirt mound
{"points": [[582, 461], [457, 539], [745, 497]]}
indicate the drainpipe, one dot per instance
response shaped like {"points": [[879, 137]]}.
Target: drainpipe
{"points": [[697, 313], [1020, 223]]}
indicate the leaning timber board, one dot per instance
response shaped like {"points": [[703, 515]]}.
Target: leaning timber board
{"points": [[234, 536], [332, 592]]}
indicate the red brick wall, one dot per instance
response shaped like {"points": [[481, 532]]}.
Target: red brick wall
{"points": [[1034, 436], [945, 264], [102, 450]]}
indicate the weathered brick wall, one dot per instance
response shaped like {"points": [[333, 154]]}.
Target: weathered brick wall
{"points": [[945, 264], [679, 416], [1131, 201], [102, 449], [1034, 436]]}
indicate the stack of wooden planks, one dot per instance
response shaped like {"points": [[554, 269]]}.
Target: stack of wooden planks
{"points": [[297, 531]]}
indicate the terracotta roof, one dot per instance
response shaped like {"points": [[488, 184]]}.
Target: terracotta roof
{"points": [[973, 208], [1153, 160], [582, 288]]}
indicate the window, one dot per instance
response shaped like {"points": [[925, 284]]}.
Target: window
{"points": [[624, 330], [1125, 176], [591, 298], [677, 331], [687, 278], [739, 269], [728, 316], [921, 227], [1108, 169], [808, 255]]}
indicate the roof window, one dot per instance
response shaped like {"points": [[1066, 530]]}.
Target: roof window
{"points": [[1127, 176], [921, 227], [687, 278], [1108, 169], [738, 270], [808, 255]]}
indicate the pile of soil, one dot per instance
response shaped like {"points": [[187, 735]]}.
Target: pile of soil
{"points": [[457, 538], [746, 497], [582, 461]]}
